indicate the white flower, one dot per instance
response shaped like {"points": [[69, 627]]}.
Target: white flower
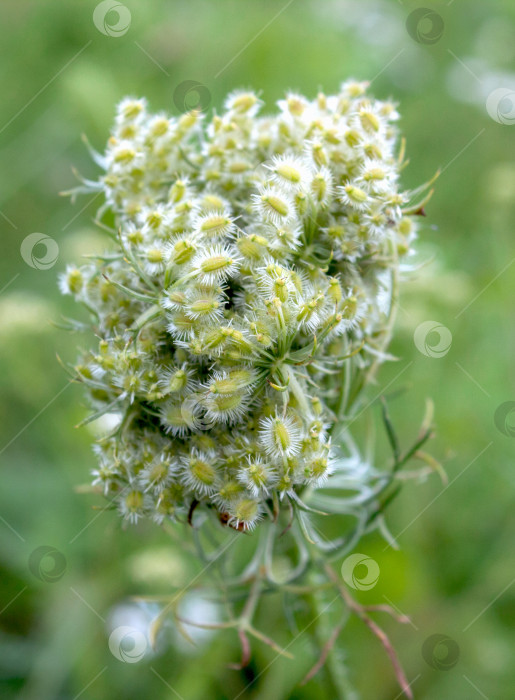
{"points": [[275, 281], [245, 513], [72, 281], [355, 197], [243, 103], [176, 380], [178, 417], [199, 472], [131, 110], [289, 172], [214, 225], [204, 304], [257, 476], [225, 408], [155, 257], [233, 381], [280, 435], [213, 265], [274, 205], [157, 475], [134, 504], [321, 186]]}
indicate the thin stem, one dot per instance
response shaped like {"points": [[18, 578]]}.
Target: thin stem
{"points": [[326, 637], [360, 611], [252, 601], [326, 649]]}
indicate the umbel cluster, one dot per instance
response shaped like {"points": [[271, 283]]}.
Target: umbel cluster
{"points": [[248, 283]]}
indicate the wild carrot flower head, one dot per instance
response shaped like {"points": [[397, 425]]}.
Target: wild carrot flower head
{"points": [[251, 272]]}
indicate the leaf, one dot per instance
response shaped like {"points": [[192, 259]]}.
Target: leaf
{"points": [[434, 464], [303, 506], [98, 158], [427, 421], [70, 324], [101, 412], [136, 295], [392, 437], [313, 536]]}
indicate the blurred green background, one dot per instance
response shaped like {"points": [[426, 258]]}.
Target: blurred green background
{"points": [[454, 573]]}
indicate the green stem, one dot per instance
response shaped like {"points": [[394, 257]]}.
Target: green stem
{"points": [[252, 601], [338, 684], [149, 315]]}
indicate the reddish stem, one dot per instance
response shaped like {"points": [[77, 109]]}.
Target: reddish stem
{"points": [[245, 651], [375, 629], [326, 649]]}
